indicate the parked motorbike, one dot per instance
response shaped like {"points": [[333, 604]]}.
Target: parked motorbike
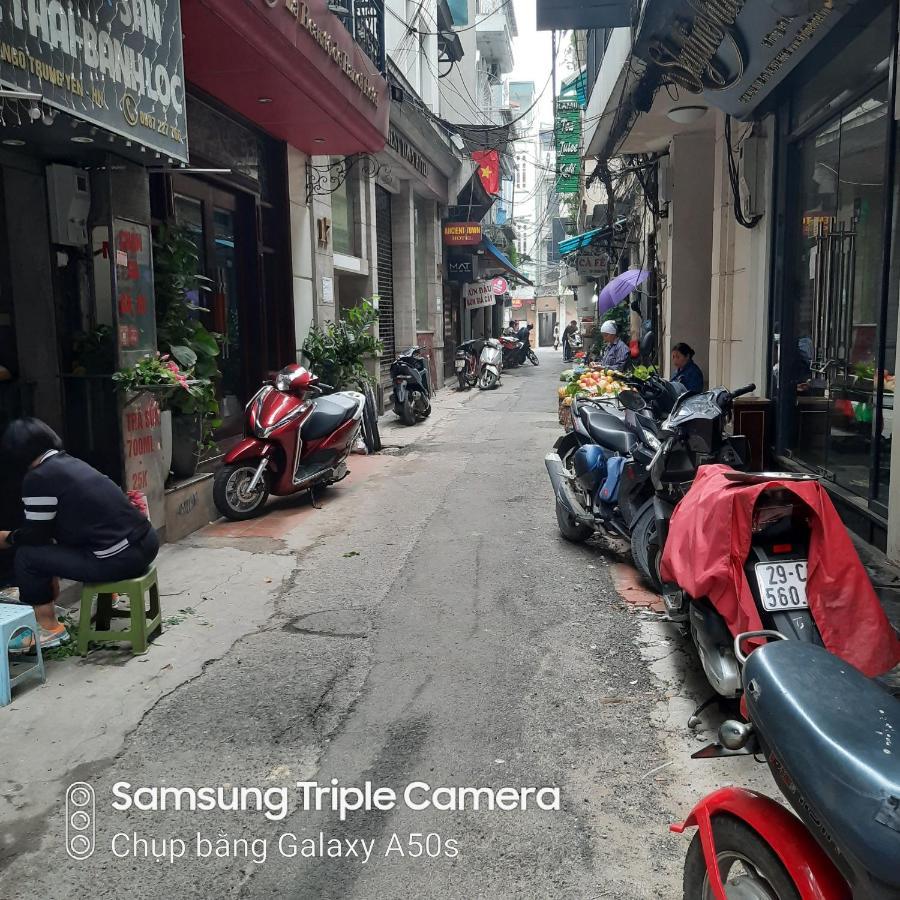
{"points": [[691, 435], [412, 386], [620, 435], [466, 363], [776, 563], [516, 352], [490, 362], [294, 439], [829, 736]]}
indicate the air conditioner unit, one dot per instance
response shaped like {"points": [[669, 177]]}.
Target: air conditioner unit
{"points": [[69, 199]]}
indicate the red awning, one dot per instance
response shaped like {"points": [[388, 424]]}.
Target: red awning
{"points": [[300, 77]]}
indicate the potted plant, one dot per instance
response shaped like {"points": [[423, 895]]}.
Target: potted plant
{"points": [[159, 375], [182, 334], [337, 354]]}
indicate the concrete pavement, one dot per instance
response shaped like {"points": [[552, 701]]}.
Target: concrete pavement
{"points": [[427, 625]]}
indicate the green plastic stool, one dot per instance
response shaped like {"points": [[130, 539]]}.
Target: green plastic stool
{"points": [[144, 624]]}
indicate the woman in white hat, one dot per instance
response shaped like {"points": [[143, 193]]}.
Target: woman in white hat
{"points": [[615, 351]]}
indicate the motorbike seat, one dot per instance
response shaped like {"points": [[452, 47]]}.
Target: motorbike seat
{"points": [[607, 430], [837, 735], [330, 413]]}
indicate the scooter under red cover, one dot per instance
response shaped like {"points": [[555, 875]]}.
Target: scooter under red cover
{"points": [[709, 540]]}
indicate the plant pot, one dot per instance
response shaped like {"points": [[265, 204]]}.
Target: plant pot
{"points": [[165, 423], [187, 433]]}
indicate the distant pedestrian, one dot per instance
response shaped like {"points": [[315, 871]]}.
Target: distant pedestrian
{"points": [[615, 353], [687, 372], [570, 331], [556, 336]]}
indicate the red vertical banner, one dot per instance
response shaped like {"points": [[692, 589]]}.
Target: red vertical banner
{"points": [[488, 162]]}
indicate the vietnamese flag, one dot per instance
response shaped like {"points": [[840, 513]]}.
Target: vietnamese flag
{"points": [[488, 169]]}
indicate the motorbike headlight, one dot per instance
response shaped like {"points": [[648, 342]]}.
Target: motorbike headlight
{"points": [[283, 383], [652, 441]]}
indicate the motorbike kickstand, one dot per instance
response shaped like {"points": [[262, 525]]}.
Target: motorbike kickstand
{"points": [[694, 719], [312, 497]]}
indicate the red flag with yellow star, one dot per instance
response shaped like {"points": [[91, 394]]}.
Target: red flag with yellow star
{"points": [[488, 169]]}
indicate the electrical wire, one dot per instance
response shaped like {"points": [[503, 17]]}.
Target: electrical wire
{"points": [[734, 181]]}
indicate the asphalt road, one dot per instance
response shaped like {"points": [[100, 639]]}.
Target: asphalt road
{"points": [[442, 634]]}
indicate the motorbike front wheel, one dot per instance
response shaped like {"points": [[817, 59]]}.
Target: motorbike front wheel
{"points": [[532, 356], [570, 529], [748, 865], [231, 491], [463, 381], [487, 381], [645, 548]]}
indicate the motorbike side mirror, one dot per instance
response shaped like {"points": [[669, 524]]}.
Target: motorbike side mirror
{"points": [[632, 400]]}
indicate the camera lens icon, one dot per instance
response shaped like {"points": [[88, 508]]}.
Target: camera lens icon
{"points": [[80, 827]]}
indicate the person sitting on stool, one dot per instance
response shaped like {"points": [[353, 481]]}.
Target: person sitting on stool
{"points": [[687, 372], [78, 525]]}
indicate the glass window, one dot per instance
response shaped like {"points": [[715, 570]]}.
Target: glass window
{"points": [[342, 220], [863, 60], [422, 212], [832, 291]]}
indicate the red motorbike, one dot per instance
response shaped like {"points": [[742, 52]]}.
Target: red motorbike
{"points": [[295, 439], [831, 738]]}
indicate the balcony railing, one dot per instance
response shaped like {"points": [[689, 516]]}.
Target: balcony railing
{"points": [[365, 21]]}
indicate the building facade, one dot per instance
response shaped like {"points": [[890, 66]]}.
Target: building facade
{"points": [[781, 268]]}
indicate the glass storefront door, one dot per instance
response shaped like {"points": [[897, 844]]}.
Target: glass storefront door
{"points": [[833, 339], [210, 214]]}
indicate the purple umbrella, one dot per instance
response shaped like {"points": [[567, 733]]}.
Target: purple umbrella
{"points": [[620, 287]]}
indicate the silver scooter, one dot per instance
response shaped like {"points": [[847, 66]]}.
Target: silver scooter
{"points": [[489, 364]]}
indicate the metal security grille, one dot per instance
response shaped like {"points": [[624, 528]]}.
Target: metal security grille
{"points": [[385, 278]]}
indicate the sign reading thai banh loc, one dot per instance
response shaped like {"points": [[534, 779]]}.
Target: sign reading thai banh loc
{"points": [[116, 65]]}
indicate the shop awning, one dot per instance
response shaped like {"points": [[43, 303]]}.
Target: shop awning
{"points": [[580, 241], [503, 261], [300, 77]]}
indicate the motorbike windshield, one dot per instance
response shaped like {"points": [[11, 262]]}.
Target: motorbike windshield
{"points": [[699, 406]]}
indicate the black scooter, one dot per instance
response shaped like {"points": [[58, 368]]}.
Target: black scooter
{"points": [[412, 386]]}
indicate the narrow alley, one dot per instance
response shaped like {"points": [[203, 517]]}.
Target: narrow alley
{"points": [[438, 631]]}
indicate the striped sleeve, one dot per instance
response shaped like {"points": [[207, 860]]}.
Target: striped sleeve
{"points": [[40, 509]]}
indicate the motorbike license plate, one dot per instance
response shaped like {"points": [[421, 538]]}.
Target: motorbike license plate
{"points": [[460, 364], [782, 585]]}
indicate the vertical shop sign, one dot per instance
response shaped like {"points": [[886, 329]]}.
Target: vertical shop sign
{"points": [[567, 130], [135, 303], [142, 451]]}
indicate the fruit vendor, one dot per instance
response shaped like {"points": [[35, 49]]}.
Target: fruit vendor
{"points": [[615, 353]]}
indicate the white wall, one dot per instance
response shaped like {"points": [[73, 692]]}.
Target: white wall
{"points": [[414, 52], [740, 272], [301, 246]]}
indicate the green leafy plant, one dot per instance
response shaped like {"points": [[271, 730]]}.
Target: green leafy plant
{"points": [[94, 352], [179, 328], [336, 353], [153, 372]]}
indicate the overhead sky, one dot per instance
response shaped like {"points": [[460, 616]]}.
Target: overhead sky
{"points": [[532, 53]]}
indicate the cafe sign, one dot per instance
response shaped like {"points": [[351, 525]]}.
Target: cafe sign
{"points": [[462, 234], [479, 294], [732, 52], [116, 65]]}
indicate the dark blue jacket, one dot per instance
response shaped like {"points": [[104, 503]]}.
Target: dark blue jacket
{"points": [[691, 376]]}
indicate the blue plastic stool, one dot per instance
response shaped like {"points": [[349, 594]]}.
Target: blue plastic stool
{"points": [[13, 619]]}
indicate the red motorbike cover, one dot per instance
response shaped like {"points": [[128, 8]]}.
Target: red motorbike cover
{"points": [[708, 543]]}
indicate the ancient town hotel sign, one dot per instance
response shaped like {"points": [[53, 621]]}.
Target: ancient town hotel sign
{"points": [[116, 64], [733, 52]]}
